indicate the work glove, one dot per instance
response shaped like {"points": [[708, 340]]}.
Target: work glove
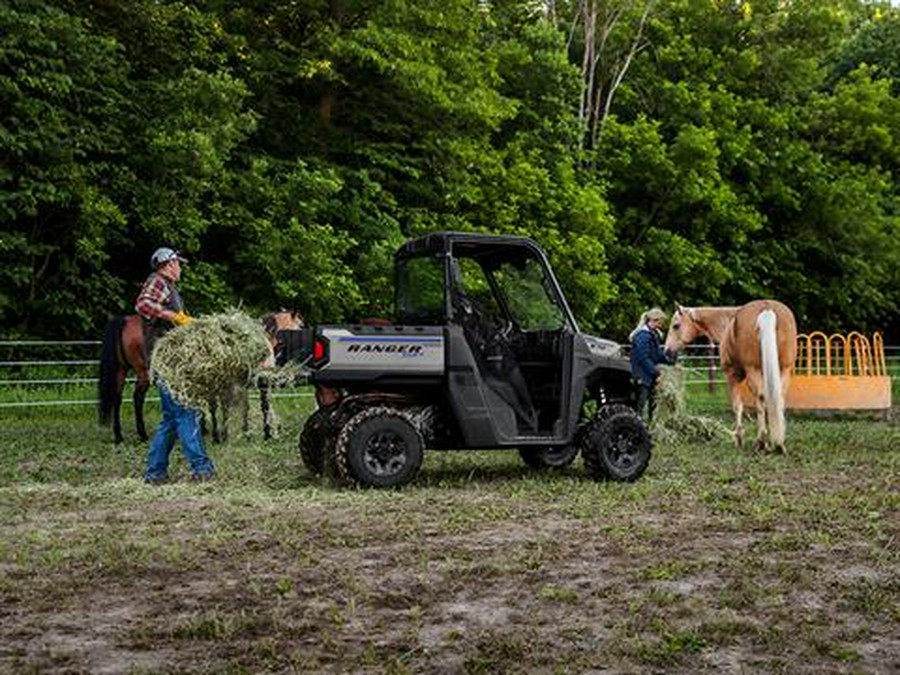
{"points": [[181, 319]]}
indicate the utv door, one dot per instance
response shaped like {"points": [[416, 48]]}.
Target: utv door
{"points": [[510, 342]]}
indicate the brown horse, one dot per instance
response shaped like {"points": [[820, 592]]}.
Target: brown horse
{"points": [[237, 396], [124, 350], [757, 345]]}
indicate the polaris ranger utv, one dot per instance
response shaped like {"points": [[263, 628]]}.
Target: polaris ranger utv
{"points": [[483, 353]]}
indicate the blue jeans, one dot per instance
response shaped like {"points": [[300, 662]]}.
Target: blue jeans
{"points": [[646, 402], [185, 423]]}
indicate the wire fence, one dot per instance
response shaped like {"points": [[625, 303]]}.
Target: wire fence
{"points": [[41, 380]]}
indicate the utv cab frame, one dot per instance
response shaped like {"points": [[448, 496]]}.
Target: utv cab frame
{"points": [[483, 353]]}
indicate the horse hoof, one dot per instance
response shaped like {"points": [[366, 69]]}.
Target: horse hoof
{"points": [[760, 446], [781, 450]]}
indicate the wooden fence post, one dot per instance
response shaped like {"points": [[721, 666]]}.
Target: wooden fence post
{"points": [[711, 366]]}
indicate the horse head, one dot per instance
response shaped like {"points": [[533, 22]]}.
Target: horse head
{"points": [[683, 329], [273, 322]]}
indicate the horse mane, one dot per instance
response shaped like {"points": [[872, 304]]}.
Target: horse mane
{"points": [[712, 321]]}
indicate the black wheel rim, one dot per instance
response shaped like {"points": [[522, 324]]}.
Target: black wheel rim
{"points": [[624, 449], [385, 453]]}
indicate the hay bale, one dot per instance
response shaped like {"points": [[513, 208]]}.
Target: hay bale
{"points": [[206, 359], [671, 421]]}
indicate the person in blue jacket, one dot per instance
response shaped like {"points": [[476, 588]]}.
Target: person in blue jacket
{"points": [[646, 355]]}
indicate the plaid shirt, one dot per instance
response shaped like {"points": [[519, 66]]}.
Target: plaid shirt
{"points": [[156, 296]]}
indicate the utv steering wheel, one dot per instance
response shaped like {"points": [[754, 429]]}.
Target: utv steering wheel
{"points": [[506, 329], [500, 332], [465, 308]]}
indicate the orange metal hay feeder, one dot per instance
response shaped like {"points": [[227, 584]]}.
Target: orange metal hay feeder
{"points": [[837, 372]]}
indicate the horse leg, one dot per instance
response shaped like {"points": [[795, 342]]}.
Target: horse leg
{"points": [[226, 406], [737, 405], [141, 385], [213, 409], [754, 382], [265, 405], [244, 394], [762, 424], [779, 427], [117, 406]]}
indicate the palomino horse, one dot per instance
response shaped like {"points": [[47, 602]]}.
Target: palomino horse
{"points": [[757, 346], [124, 349]]}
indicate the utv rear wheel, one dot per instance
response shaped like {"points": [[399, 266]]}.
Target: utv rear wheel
{"points": [[379, 447], [617, 445], [549, 456], [314, 440]]}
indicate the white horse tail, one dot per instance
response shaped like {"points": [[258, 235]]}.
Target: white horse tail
{"points": [[771, 375]]}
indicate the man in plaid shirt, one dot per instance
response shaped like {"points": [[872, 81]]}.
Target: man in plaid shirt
{"points": [[161, 307], [159, 299], [159, 302]]}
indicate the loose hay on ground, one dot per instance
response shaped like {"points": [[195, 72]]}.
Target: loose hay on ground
{"points": [[671, 421], [207, 358]]}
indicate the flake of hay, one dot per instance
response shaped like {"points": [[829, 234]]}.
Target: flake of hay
{"points": [[669, 394], [207, 358], [671, 421], [291, 373]]}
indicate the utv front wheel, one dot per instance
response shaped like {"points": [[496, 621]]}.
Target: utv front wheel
{"points": [[548, 456], [379, 447], [617, 445]]}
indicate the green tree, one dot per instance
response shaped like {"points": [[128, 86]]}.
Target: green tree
{"points": [[875, 43], [737, 169], [63, 90]]}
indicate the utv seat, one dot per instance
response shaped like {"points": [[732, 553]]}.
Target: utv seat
{"points": [[496, 362]]}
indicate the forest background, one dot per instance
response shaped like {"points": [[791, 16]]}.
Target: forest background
{"points": [[699, 151]]}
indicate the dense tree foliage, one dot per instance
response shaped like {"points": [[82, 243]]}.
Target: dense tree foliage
{"points": [[740, 165], [700, 151]]}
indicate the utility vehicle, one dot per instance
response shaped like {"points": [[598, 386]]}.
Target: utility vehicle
{"points": [[483, 352]]}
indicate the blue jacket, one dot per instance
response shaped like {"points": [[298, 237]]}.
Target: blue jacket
{"points": [[646, 353]]}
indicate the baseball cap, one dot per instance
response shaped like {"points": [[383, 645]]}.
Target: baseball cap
{"points": [[163, 255]]}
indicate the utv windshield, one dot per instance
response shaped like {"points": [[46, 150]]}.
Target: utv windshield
{"points": [[509, 283]]}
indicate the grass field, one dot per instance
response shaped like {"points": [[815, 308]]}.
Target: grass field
{"points": [[716, 560]]}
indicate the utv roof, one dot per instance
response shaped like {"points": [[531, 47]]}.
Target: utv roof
{"points": [[442, 242]]}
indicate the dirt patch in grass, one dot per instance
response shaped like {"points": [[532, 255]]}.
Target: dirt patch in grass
{"points": [[524, 595]]}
